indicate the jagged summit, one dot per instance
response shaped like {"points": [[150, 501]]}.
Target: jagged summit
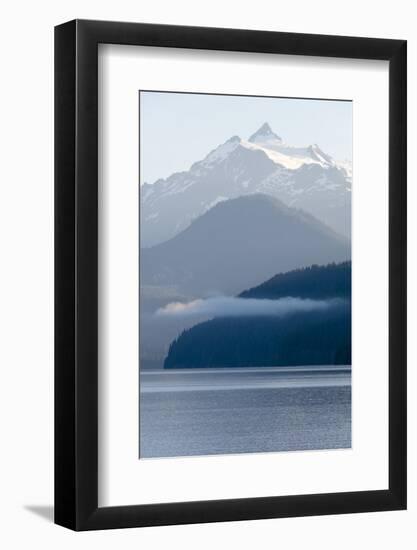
{"points": [[264, 133], [283, 154], [304, 177], [319, 155], [220, 153], [273, 146]]}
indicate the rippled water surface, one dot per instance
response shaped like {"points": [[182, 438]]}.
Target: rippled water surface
{"points": [[227, 411]]}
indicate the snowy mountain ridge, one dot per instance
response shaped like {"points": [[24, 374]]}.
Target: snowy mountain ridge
{"points": [[275, 148], [303, 177]]}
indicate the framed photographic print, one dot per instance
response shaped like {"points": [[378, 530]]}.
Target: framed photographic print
{"points": [[230, 252]]}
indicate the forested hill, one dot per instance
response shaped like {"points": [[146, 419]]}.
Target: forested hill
{"points": [[312, 337], [315, 282]]}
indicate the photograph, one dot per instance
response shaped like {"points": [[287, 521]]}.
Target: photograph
{"points": [[208, 335], [245, 268]]}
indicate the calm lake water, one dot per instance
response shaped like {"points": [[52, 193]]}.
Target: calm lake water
{"points": [[228, 411]]}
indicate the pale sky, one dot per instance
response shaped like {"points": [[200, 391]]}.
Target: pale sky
{"points": [[178, 129]]}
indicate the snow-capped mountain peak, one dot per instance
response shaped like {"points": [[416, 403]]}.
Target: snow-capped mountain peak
{"points": [[272, 145], [319, 155], [264, 134], [302, 177], [283, 154], [220, 153]]}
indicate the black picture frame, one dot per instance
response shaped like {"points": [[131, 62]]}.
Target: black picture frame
{"points": [[76, 272]]}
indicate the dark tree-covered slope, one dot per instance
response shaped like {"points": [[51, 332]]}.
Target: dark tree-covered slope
{"points": [[315, 282], [318, 337]]}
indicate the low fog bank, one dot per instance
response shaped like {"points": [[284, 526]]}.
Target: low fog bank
{"points": [[227, 306]]}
